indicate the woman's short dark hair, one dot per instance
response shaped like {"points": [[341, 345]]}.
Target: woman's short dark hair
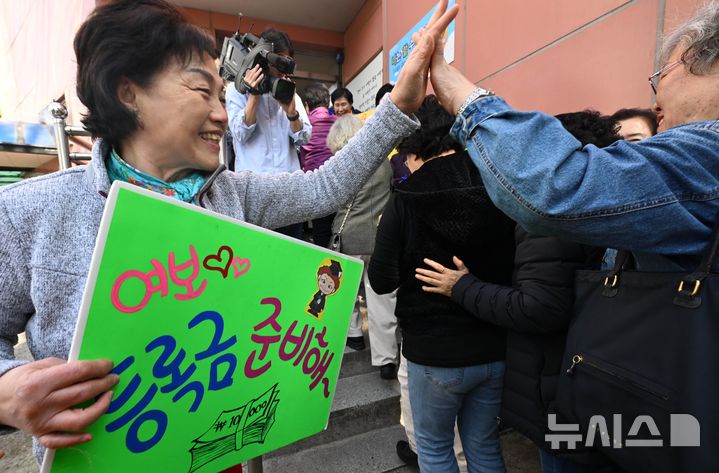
{"points": [[385, 89], [342, 92], [317, 95], [133, 39], [649, 117], [591, 127], [432, 138], [280, 40]]}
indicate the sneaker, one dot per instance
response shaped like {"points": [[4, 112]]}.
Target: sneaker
{"points": [[356, 343], [405, 453], [388, 371]]}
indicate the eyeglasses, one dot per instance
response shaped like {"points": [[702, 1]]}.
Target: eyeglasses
{"points": [[657, 76]]}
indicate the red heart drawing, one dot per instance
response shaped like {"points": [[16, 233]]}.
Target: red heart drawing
{"points": [[242, 265], [223, 268]]}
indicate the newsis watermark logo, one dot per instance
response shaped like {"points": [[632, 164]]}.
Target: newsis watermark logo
{"points": [[683, 432]]}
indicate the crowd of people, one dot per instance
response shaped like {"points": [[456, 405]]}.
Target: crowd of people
{"points": [[471, 217]]}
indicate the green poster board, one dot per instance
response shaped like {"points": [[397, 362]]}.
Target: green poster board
{"points": [[228, 338]]}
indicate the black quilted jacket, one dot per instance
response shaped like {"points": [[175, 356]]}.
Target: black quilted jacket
{"points": [[439, 211]]}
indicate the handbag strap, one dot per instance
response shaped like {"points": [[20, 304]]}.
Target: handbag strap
{"points": [[344, 220], [688, 291], [705, 266], [611, 280], [620, 261], [710, 253], [688, 286]]}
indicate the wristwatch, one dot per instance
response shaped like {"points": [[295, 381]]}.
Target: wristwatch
{"points": [[476, 95], [294, 117]]}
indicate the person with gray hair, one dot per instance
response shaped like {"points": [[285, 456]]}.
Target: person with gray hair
{"points": [[342, 131], [546, 181], [657, 198], [357, 224]]}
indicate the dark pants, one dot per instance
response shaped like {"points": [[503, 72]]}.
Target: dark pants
{"points": [[295, 230], [322, 230]]}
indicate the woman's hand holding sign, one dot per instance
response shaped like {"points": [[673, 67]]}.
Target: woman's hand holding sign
{"points": [[39, 397]]}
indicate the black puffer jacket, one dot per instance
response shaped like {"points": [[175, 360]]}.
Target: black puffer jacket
{"points": [[536, 311], [440, 211]]}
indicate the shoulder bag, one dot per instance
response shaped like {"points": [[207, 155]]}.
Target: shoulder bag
{"points": [[640, 377]]}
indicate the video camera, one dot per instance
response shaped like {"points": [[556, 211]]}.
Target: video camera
{"points": [[243, 52]]}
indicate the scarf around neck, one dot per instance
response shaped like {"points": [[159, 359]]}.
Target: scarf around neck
{"points": [[184, 189]]}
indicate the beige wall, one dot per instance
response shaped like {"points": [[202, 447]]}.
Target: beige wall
{"points": [[302, 37], [363, 39], [552, 55], [677, 11], [566, 55]]}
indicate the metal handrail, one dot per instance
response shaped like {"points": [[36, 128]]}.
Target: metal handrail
{"points": [[59, 114], [76, 131], [80, 156], [62, 134], [254, 465]]}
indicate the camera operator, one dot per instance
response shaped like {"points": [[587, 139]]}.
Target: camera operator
{"points": [[264, 130]]}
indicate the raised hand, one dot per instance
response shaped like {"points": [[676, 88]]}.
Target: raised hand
{"points": [[288, 107], [441, 280], [39, 397], [449, 85], [411, 86]]}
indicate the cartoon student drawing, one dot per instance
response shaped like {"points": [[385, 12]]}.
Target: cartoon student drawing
{"points": [[329, 277]]}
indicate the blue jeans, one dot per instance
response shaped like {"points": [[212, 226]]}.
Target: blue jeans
{"points": [[471, 395]]}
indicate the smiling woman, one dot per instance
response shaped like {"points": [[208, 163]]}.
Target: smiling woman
{"points": [[172, 149], [155, 108]]}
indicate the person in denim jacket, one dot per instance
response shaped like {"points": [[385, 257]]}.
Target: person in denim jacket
{"points": [[658, 198]]}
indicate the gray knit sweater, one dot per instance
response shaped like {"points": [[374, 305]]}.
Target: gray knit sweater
{"points": [[48, 226]]}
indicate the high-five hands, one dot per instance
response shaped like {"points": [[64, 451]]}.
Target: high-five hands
{"points": [[411, 86]]}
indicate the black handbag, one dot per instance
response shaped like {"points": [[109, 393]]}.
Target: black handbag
{"points": [[641, 367]]}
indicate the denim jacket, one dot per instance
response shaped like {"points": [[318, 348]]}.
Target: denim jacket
{"points": [[658, 198]]}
